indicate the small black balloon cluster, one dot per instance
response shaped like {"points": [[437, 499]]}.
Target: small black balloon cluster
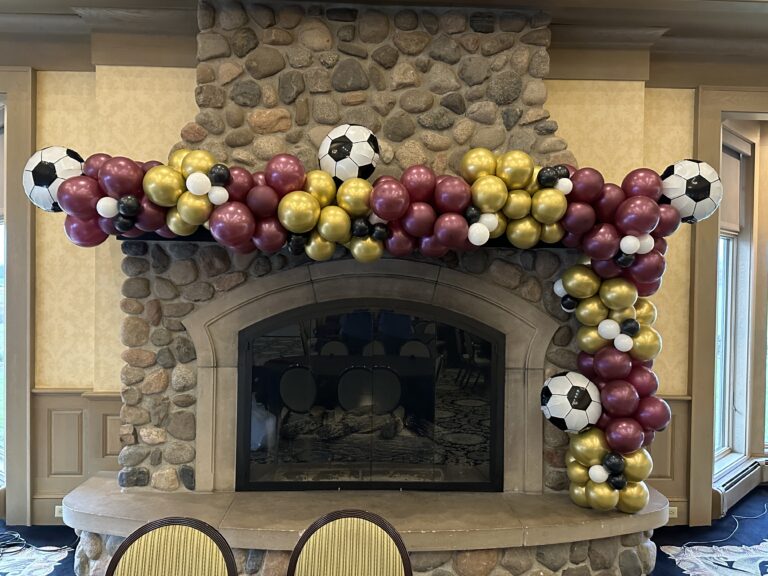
{"points": [[614, 463], [128, 210], [557, 177], [219, 175]]}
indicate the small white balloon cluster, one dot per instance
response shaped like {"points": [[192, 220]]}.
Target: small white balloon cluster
{"points": [[564, 185], [598, 473], [480, 231], [106, 207], [199, 184], [637, 244], [374, 219], [611, 330]]}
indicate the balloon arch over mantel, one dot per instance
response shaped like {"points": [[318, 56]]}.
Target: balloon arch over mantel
{"points": [[609, 406]]}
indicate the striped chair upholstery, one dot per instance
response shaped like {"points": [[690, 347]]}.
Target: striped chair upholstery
{"points": [[177, 546], [350, 543]]}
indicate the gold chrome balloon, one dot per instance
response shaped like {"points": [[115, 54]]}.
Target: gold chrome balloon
{"points": [[477, 162], [552, 233], [524, 233], [321, 185], [298, 212], [318, 248], [334, 224], [515, 168], [569, 457], [163, 185], [194, 209], [518, 205], [589, 448], [633, 497], [549, 205], [534, 184], [489, 193], [618, 293], [366, 249], [588, 340], [646, 344], [584, 260], [354, 196], [580, 282], [638, 465], [578, 494], [591, 311], [197, 161], [501, 226], [602, 496], [176, 158], [577, 473], [622, 314], [177, 225], [646, 311]]}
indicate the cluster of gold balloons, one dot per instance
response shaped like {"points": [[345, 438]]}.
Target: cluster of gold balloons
{"points": [[588, 450], [507, 186]]}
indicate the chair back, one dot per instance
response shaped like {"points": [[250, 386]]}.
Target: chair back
{"points": [[350, 543], [334, 348], [178, 546], [374, 348], [297, 389], [415, 349]]}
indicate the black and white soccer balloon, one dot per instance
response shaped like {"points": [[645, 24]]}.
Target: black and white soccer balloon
{"points": [[571, 401], [349, 151], [44, 172], [694, 188]]}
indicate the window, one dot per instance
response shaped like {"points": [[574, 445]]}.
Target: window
{"points": [[726, 259]]}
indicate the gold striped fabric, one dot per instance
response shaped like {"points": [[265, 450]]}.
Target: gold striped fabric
{"points": [[172, 550], [350, 547]]}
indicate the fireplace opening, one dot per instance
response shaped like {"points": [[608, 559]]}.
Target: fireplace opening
{"points": [[370, 395]]}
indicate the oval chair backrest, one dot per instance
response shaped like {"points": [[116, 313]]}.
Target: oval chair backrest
{"points": [[177, 546], [350, 543]]}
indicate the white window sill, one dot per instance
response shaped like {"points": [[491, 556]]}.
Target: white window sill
{"points": [[728, 466]]}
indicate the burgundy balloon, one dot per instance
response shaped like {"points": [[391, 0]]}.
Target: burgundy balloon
{"points": [[441, 177], [419, 219], [84, 233], [451, 230], [648, 289], [600, 385], [232, 224], [269, 235], [644, 380], [468, 247], [609, 200], [149, 164], [132, 233], [399, 243], [120, 176], [571, 169], [78, 196], [93, 164], [263, 201], [624, 435], [107, 226], [661, 246], [390, 200], [384, 178], [240, 182], [151, 217], [612, 364], [601, 243], [245, 248], [571, 240], [653, 413], [586, 365], [259, 178], [430, 247], [669, 221], [285, 173], [644, 363], [647, 268], [606, 268], [650, 435], [452, 194], [165, 232], [579, 218], [642, 182], [619, 398], [587, 185], [420, 181], [637, 215], [603, 421]]}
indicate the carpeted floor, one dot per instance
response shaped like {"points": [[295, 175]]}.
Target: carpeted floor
{"points": [[32, 562]]}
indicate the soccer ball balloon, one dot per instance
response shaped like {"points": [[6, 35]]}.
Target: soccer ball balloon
{"points": [[694, 188], [571, 402], [45, 171], [349, 151]]}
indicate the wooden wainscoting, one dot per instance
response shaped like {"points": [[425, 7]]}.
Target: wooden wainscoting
{"points": [[75, 433]]}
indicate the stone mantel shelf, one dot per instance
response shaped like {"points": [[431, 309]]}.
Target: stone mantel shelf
{"points": [[428, 521]]}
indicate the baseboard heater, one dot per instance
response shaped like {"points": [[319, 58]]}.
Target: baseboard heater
{"points": [[727, 494]]}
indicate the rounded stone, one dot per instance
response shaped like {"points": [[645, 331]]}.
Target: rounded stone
{"points": [[579, 552], [165, 479], [165, 358], [406, 20], [227, 282], [483, 112], [289, 16], [153, 436], [177, 309], [475, 562], [204, 73], [130, 477], [563, 358], [269, 121], [603, 553], [505, 87], [325, 110], [159, 259], [490, 137], [299, 57], [290, 86], [426, 561], [138, 357], [553, 556], [187, 476], [209, 96], [563, 336], [133, 266], [184, 400], [155, 382], [197, 292], [373, 26], [647, 554], [262, 14], [182, 250], [211, 45], [329, 59], [131, 375], [399, 126], [435, 142], [182, 425], [411, 43], [111, 544], [629, 563], [483, 22], [315, 35], [234, 115], [535, 92], [214, 260], [132, 455], [539, 37], [349, 76], [496, 43], [131, 395], [164, 289], [211, 120], [173, 324], [463, 130], [445, 49], [134, 332], [183, 378], [517, 560], [506, 274], [556, 480], [539, 64], [385, 56], [135, 288], [161, 337], [193, 132], [131, 306], [416, 100], [246, 93], [183, 272], [133, 248], [474, 70], [264, 62], [453, 22], [183, 349], [178, 453]]}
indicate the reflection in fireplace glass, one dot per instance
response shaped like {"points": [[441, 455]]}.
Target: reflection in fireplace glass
{"points": [[370, 396]]}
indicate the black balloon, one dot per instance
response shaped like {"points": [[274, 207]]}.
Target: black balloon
{"points": [[380, 232], [472, 215], [296, 244], [614, 462], [624, 260], [617, 481], [361, 228], [630, 327], [569, 303], [123, 223], [562, 171], [547, 177], [219, 175], [129, 206]]}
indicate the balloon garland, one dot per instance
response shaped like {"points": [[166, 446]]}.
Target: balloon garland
{"points": [[609, 406]]}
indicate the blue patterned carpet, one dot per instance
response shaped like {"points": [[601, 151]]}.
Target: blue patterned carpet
{"points": [[31, 562]]}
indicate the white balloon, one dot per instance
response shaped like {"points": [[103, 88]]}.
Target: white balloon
{"points": [[207, 224], [623, 343], [373, 219], [478, 234], [646, 244], [609, 329], [218, 195], [598, 473], [107, 207], [564, 185], [199, 184], [559, 288], [490, 221], [630, 244]]}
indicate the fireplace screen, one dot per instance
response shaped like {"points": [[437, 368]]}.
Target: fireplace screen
{"points": [[362, 396]]}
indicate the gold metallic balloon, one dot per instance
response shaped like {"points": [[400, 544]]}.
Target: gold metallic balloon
{"points": [[588, 340], [552, 233], [163, 185], [334, 224], [638, 465], [591, 311], [197, 161], [578, 494], [534, 184], [618, 293], [646, 311], [354, 196], [569, 457], [321, 185], [177, 225], [577, 473], [318, 248], [501, 227], [366, 249], [646, 344], [515, 168], [298, 212], [633, 497], [524, 233], [489, 193], [549, 205], [477, 162], [584, 260], [622, 314], [176, 158], [580, 281], [589, 448], [194, 209], [518, 204], [602, 496]]}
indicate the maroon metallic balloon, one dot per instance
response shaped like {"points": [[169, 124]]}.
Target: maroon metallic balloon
{"points": [[420, 182], [269, 235], [661, 246], [419, 219], [650, 435], [452, 194], [669, 221], [619, 398], [120, 176], [637, 215], [644, 380], [263, 201], [259, 178], [399, 243], [152, 217], [84, 233], [451, 230], [606, 268], [642, 182], [285, 173], [390, 200], [648, 289], [604, 420], [245, 248], [149, 164], [232, 224], [132, 233], [240, 182], [579, 218], [612, 364], [624, 435], [647, 267], [430, 247], [78, 196], [653, 413], [165, 232], [384, 178], [586, 365], [587, 185], [108, 226], [610, 199], [93, 164], [571, 240], [601, 243], [644, 363]]}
